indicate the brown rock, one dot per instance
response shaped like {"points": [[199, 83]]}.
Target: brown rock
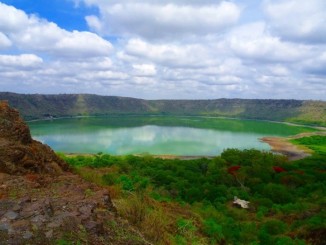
{"points": [[19, 153], [11, 215]]}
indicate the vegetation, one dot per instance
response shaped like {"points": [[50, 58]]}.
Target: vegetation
{"points": [[311, 112], [316, 143], [191, 201], [35, 106]]}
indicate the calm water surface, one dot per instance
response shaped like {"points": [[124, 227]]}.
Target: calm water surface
{"points": [[156, 135]]}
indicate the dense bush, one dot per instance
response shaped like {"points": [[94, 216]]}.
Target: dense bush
{"points": [[282, 203]]}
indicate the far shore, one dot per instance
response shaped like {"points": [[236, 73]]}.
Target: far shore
{"points": [[179, 116], [144, 155]]}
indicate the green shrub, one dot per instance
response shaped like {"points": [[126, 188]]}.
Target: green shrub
{"points": [[109, 179], [285, 240], [274, 227], [277, 193], [184, 226], [213, 230]]}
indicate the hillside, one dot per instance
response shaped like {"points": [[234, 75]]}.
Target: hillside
{"points": [[36, 106], [42, 202], [166, 201]]}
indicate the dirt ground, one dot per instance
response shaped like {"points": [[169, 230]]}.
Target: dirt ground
{"points": [[285, 147]]}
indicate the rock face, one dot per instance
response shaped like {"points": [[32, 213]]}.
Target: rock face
{"points": [[44, 209], [19, 153]]}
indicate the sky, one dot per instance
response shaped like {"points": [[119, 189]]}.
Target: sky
{"points": [[165, 49]]}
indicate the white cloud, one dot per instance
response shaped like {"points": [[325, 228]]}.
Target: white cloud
{"points": [[298, 20], [166, 19], [167, 49], [279, 70], [11, 19], [20, 61], [252, 41], [85, 43], [34, 34], [170, 55], [4, 41], [144, 70], [316, 66], [102, 75]]}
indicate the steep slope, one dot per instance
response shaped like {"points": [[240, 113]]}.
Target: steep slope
{"points": [[36, 106], [19, 153], [42, 203]]}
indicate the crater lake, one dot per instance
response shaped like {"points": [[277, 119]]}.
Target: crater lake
{"points": [[180, 136]]}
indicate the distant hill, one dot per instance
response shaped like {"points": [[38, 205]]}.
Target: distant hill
{"points": [[37, 106]]}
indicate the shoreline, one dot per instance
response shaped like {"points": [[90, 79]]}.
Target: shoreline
{"points": [[70, 154], [291, 151], [281, 145], [317, 127]]}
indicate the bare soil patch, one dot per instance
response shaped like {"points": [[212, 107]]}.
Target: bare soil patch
{"points": [[285, 147]]}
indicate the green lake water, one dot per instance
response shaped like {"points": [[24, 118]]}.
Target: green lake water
{"points": [[183, 136]]}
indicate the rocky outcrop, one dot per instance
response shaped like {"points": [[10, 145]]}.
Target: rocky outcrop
{"points": [[45, 209], [41, 203], [19, 153]]}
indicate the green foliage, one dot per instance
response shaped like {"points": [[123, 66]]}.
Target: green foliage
{"points": [[317, 221], [277, 200], [274, 227], [63, 242], [277, 193], [109, 179], [213, 230], [185, 226], [180, 240], [126, 182], [285, 240], [261, 212], [317, 143]]}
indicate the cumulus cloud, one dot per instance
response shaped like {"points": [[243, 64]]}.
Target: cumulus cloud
{"points": [[162, 19], [20, 61], [316, 66], [35, 34], [169, 54], [4, 41], [144, 70], [252, 41], [298, 20], [169, 49]]}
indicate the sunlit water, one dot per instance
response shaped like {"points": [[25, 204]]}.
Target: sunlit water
{"points": [[119, 136]]}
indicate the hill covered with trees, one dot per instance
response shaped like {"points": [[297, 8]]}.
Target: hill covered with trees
{"points": [[37, 106], [174, 201]]}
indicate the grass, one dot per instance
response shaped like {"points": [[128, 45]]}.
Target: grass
{"points": [[316, 143]]}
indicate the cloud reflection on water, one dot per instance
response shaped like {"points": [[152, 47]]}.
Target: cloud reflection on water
{"points": [[154, 140]]}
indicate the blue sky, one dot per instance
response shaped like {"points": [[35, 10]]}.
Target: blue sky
{"points": [[64, 13], [154, 49]]}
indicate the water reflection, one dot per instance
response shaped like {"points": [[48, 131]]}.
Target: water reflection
{"points": [[150, 139]]}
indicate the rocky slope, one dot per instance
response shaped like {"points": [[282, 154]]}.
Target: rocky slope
{"points": [[36, 106], [19, 153], [43, 203]]}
